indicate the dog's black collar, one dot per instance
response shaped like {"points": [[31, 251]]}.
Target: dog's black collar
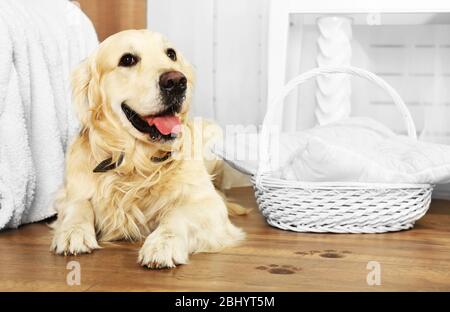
{"points": [[158, 159], [142, 126], [106, 164]]}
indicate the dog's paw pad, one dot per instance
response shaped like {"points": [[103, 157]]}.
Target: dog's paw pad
{"points": [[331, 254], [279, 269], [327, 253]]}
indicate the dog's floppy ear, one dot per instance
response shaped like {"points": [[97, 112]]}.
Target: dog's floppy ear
{"points": [[85, 90]]}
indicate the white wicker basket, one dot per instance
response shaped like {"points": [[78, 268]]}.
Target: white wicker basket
{"points": [[337, 207]]}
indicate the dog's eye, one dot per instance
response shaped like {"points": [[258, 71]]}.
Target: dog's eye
{"points": [[128, 60], [171, 54]]}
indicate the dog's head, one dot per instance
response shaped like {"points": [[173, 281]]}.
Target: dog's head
{"points": [[136, 82]]}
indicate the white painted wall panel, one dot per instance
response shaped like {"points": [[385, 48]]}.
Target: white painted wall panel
{"points": [[238, 61]]}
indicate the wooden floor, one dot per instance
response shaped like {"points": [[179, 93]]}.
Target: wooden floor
{"points": [[269, 260]]}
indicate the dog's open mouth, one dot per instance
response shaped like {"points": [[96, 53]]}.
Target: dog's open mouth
{"points": [[163, 126]]}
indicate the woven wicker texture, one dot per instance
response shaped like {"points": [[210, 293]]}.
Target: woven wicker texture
{"points": [[337, 207]]}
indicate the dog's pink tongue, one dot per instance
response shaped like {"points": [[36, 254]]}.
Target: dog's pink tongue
{"points": [[166, 124]]}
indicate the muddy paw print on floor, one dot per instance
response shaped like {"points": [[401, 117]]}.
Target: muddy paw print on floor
{"points": [[328, 253], [279, 269]]}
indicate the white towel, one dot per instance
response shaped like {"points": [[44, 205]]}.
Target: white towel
{"points": [[40, 43], [16, 170]]}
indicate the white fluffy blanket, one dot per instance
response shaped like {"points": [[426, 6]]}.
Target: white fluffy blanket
{"points": [[40, 43], [363, 150], [353, 150]]}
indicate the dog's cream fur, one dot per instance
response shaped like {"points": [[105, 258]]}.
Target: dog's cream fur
{"points": [[173, 205]]}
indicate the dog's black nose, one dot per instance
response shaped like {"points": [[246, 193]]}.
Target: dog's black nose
{"points": [[173, 81]]}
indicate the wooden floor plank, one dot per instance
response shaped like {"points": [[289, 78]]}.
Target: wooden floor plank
{"points": [[268, 260]]}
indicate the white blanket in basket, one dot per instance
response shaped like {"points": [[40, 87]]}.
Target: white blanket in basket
{"points": [[355, 150], [40, 43]]}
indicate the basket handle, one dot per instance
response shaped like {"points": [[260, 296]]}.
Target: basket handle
{"points": [[264, 162]]}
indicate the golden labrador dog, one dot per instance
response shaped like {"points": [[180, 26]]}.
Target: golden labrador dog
{"points": [[128, 175]]}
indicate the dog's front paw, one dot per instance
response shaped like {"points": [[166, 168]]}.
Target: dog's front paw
{"points": [[163, 250], [73, 240]]}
